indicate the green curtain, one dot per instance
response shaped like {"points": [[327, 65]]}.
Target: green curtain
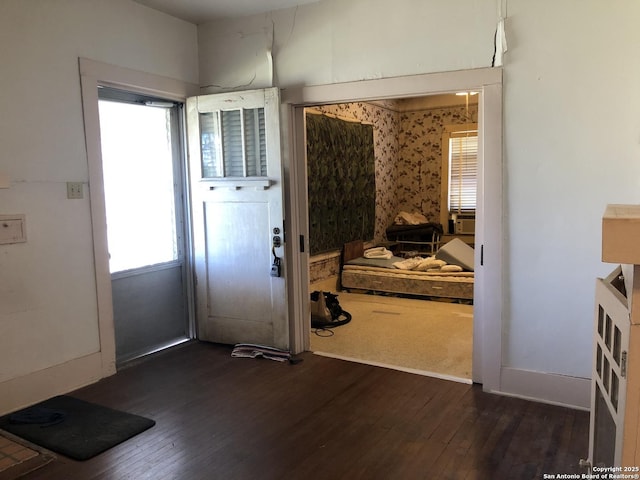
{"points": [[342, 182]]}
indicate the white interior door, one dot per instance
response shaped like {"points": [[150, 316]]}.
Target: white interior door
{"points": [[238, 220]]}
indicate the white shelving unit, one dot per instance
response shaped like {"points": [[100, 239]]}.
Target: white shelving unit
{"points": [[615, 387]]}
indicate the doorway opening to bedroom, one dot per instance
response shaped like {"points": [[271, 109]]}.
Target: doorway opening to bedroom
{"points": [[416, 321]]}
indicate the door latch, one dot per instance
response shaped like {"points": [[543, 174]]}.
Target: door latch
{"points": [[276, 242], [276, 267]]}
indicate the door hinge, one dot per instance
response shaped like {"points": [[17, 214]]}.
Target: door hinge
{"points": [[301, 243], [623, 364], [481, 255]]}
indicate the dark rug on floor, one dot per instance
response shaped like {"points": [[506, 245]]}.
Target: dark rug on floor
{"points": [[73, 427]]}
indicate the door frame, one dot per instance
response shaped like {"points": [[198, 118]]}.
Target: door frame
{"points": [[488, 287], [92, 75]]}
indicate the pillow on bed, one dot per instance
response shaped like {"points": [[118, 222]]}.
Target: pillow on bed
{"points": [[451, 268], [408, 264], [456, 252], [406, 218], [429, 263]]}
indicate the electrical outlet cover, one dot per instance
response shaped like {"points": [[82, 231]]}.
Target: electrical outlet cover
{"points": [[74, 190]]}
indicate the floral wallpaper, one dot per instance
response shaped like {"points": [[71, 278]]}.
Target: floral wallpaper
{"points": [[419, 162], [408, 156]]}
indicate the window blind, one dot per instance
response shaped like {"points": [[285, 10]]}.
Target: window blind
{"points": [[233, 143], [255, 142], [463, 171]]}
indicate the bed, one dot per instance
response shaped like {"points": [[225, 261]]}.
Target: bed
{"points": [[359, 273]]}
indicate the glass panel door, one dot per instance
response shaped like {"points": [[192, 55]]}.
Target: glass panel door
{"points": [[137, 158], [143, 163]]}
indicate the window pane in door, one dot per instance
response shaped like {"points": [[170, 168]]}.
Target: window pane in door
{"points": [[210, 145], [255, 144], [233, 143], [137, 160], [232, 150]]}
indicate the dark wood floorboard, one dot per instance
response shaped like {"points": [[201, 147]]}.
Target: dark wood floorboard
{"points": [[219, 417]]}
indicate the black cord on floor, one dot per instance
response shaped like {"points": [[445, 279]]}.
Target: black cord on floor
{"points": [[324, 332]]}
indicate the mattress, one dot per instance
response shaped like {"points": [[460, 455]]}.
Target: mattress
{"points": [[375, 262], [410, 282], [379, 275]]}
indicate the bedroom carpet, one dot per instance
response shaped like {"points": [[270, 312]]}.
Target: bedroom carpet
{"points": [[427, 337]]}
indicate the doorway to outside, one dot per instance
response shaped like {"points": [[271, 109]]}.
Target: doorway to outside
{"points": [[142, 166]]}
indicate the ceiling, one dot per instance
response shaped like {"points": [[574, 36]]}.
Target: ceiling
{"points": [[202, 11]]}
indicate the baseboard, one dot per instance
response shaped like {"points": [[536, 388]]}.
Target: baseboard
{"points": [[28, 389], [562, 390]]}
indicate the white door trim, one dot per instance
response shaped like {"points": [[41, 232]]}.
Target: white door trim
{"points": [[296, 228], [489, 227], [92, 75]]}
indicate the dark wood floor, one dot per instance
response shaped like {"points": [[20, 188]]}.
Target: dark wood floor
{"points": [[220, 417]]}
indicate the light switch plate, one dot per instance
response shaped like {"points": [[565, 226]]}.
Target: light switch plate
{"points": [[12, 229], [74, 190]]}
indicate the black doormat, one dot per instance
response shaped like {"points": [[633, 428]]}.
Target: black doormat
{"points": [[73, 427]]}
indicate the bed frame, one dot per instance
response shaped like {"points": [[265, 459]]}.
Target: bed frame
{"points": [[375, 279]]}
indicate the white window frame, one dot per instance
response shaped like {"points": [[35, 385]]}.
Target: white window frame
{"points": [[449, 132]]}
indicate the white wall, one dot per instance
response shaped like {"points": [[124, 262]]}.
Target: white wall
{"points": [[336, 41], [572, 142], [572, 135], [572, 130], [48, 303]]}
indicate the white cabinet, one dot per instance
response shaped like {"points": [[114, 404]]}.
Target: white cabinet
{"points": [[615, 387]]}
